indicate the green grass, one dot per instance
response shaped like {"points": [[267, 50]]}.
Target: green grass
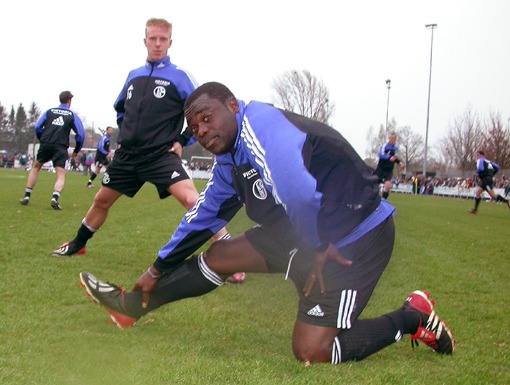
{"points": [[52, 334]]}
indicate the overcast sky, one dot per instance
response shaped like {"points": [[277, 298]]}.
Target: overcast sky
{"points": [[88, 47]]}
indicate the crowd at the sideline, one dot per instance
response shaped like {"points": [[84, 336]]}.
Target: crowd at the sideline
{"points": [[445, 186], [82, 163]]}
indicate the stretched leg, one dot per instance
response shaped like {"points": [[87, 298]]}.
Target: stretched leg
{"points": [[31, 182], [498, 197], [95, 218], [387, 189], [194, 277], [61, 179], [93, 175], [478, 198]]}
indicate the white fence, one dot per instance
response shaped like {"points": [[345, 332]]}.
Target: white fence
{"points": [[455, 192]]}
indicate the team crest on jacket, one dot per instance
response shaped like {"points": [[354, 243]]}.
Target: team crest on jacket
{"points": [[159, 92], [259, 190]]}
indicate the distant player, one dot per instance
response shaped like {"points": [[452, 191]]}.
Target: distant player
{"points": [[53, 129], [103, 155], [486, 170], [387, 160]]}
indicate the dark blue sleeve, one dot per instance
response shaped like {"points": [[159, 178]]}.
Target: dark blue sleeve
{"points": [[119, 102], [216, 206], [79, 133], [39, 125]]}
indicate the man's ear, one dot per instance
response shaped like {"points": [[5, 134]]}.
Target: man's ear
{"points": [[234, 106]]}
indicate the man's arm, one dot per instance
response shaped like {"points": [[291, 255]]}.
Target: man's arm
{"points": [[79, 134], [39, 125], [215, 207]]}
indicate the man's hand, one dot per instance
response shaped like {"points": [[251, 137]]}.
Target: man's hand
{"points": [[146, 284], [177, 148], [320, 259]]}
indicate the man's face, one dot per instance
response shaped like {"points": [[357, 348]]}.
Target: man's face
{"points": [[158, 41], [392, 139], [109, 131], [213, 123]]}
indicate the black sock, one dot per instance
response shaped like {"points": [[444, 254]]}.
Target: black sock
{"points": [[55, 195], [368, 336], [477, 202], [499, 198], [385, 194], [28, 192], [186, 281], [92, 177], [83, 235]]}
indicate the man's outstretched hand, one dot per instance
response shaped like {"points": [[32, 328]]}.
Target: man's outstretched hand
{"points": [[320, 259]]}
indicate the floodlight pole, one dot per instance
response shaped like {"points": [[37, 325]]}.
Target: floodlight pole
{"points": [[431, 27], [388, 85]]}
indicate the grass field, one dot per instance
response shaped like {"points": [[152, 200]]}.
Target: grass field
{"points": [[52, 334]]}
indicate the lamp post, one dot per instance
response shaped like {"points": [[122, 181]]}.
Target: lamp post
{"points": [[431, 27], [388, 85]]}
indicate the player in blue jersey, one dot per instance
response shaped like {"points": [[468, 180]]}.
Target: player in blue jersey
{"points": [[102, 155], [321, 223], [486, 170], [53, 129], [387, 159], [150, 117]]}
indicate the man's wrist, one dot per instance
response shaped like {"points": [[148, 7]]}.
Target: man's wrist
{"points": [[154, 273]]}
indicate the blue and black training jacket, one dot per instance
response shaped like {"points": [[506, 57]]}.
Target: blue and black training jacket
{"points": [[150, 107], [55, 125], [294, 175]]}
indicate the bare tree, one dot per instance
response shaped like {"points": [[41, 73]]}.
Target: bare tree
{"points": [[410, 144], [34, 113], [462, 140], [496, 140], [411, 147], [303, 93], [375, 141], [3, 127]]}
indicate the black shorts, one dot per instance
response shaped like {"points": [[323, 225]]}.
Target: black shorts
{"points": [[486, 183], [54, 152], [127, 173], [101, 160], [348, 288], [383, 175]]}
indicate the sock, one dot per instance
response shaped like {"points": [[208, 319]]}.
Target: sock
{"points": [[499, 198], [368, 336], [85, 232], [56, 195], [477, 202], [192, 278], [92, 177], [385, 194], [28, 192]]}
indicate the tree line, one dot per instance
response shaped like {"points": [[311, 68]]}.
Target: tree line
{"points": [[305, 94], [17, 129]]}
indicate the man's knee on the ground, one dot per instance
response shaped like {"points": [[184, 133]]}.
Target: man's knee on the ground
{"points": [[318, 351]]}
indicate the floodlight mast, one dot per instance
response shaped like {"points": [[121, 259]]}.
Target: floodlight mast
{"points": [[431, 27], [388, 85]]}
